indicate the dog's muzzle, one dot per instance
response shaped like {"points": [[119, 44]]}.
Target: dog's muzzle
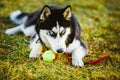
{"points": [[60, 50]]}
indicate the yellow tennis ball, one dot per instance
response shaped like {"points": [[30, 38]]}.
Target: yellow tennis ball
{"points": [[48, 56]]}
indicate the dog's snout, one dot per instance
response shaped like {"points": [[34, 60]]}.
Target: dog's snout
{"points": [[60, 50]]}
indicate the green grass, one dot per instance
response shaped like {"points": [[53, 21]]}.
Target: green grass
{"points": [[100, 22]]}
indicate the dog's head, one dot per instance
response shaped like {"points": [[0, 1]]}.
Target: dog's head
{"points": [[54, 27]]}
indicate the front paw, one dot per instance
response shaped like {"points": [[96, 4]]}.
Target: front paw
{"points": [[33, 54], [10, 32], [77, 62]]}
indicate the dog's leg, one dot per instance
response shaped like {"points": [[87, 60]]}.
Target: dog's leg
{"points": [[78, 53], [14, 30], [77, 56], [35, 46], [28, 31]]}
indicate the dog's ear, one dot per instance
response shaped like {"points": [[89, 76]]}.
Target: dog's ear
{"points": [[67, 12], [45, 12]]}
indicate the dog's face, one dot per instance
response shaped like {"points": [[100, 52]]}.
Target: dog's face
{"points": [[54, 28]]}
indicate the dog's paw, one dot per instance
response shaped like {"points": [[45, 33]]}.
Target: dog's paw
{"points": [[10, 32], [33, 55], [77, 62]]}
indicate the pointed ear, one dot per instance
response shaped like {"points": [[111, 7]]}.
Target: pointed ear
{"points": [[45, 13], [67, 12]]}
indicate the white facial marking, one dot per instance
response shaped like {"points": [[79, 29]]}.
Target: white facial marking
{"points": [[61, 29], [58, 39], [58, 29], [57, 42], [45, 38], [54, 29]]}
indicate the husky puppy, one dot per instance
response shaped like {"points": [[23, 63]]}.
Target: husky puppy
{"points": [[54, 27]]}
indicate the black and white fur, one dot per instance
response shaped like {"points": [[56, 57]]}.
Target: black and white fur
{"points": [[55, 28]]}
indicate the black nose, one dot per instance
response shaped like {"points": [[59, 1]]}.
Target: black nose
{"points": [[60, 50]]}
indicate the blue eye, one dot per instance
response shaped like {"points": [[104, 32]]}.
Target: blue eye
{"points": [[51, 33]]}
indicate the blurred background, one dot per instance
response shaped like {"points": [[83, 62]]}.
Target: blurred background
{"points": [[100, 23]]}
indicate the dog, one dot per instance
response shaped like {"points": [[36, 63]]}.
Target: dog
{"points": [[54, 27]]}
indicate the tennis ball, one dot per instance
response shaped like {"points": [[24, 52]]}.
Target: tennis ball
{"points": [[48, 56]]}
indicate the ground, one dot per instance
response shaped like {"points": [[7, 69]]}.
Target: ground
{"points": [[100, 23]]}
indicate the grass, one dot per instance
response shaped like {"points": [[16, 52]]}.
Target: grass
{"points": [[100, 22]]}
